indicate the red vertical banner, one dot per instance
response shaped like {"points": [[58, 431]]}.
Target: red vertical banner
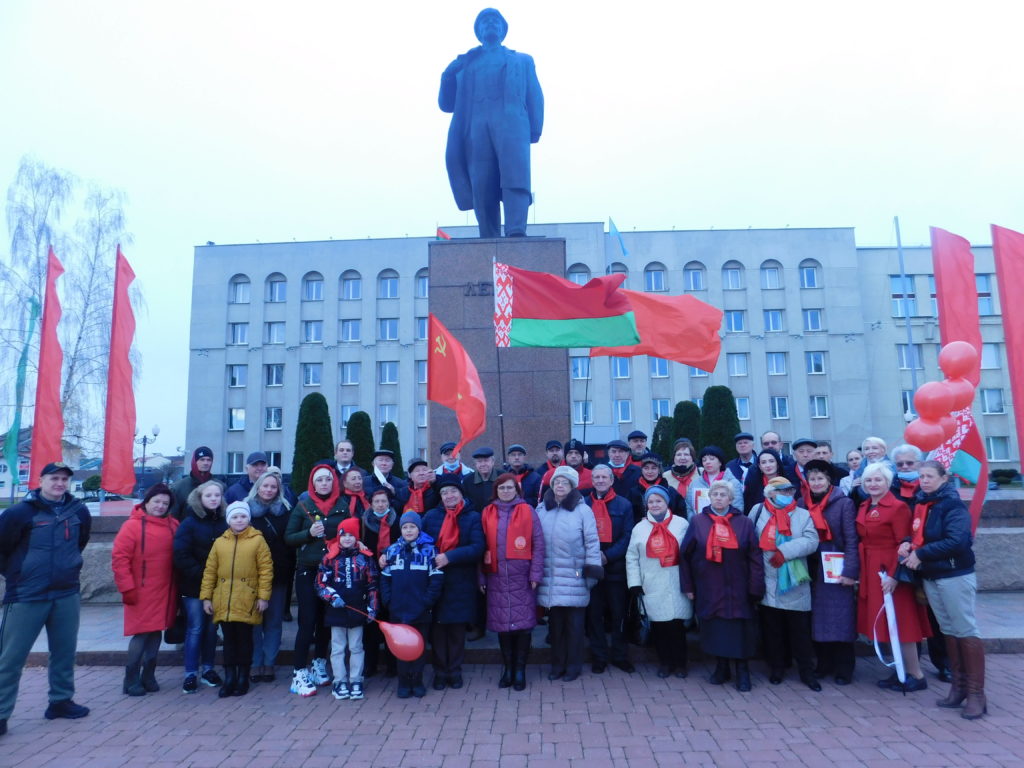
{"points": [[1009, 252], [48, 421], [453, 381], [119, 433]]}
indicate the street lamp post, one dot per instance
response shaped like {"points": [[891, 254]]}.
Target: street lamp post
{"points": [[144, 441]]}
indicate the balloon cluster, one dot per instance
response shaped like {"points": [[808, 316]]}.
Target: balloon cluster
{"points": [[936, 401]]}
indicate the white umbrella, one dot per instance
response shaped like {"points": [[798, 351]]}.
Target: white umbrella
{"points": [[894, 633]]}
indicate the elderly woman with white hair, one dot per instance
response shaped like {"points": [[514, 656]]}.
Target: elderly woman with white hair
{"points": [[883, 522], [873, 451]]}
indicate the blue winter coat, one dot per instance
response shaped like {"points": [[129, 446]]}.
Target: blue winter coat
{"points": [[410, 584], [621, 513], [947, 535], [458, 599], [192, 544]]}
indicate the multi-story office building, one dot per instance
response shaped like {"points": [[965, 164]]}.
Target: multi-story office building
{"points": [[814, 338]]}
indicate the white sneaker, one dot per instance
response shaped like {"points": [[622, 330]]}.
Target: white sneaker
{"points": [[318, 672], [302, 685], [340, 690]]}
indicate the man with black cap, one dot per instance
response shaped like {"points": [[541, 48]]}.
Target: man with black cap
{"points": [[573, 453], [41, 543], [202, 463], [804, 449], [627, 474], [479, 486], [255, 465], [529, 481], [637, 446], [450, 463], [422, 494], [745, 460], [380, 476]]}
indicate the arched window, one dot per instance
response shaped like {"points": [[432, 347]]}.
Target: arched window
{"points": [[277, 288], [423, 284], [694, 277], [655, 277], [810, 274], [238, 290], [771, 275], [578, 273], [618, 268], [351, 288], [313, 287], [732, 276], [387, 284]]}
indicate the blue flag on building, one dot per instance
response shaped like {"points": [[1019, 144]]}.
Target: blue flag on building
{"points": [[613, 230]]}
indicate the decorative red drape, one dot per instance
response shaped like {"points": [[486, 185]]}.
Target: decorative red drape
{"points": [[119, 435], [48, 421]]}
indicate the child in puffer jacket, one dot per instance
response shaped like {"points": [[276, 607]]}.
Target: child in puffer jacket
{"points": [[347, 577]]}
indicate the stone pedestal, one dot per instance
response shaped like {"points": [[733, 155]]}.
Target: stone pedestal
{"points": [[534, 392]]}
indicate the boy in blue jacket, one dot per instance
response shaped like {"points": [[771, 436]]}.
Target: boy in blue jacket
{"points": [[410, 585]]}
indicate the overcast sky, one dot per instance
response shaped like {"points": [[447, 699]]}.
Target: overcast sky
{"points": [[246, 121]]}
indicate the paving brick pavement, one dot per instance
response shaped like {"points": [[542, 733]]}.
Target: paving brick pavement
{"points": [[637, 721]]}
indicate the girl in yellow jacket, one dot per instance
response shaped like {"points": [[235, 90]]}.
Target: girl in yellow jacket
{"points": [[236, 590]]}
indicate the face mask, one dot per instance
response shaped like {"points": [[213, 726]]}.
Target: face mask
{"points": [[782, 501], [451, 465], [908, 476]]}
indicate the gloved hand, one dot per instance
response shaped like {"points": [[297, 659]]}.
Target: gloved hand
{"points": [[337, 602], [131, 597], [635, 592], [777, 559]]}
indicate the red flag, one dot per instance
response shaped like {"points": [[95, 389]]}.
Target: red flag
{"points": [[956, 294], [453, 381], [680, 328], [48, 423], [119, 435], [1009, 252]]}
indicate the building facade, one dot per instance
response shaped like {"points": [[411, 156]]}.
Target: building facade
{"points": [[814, 337]]}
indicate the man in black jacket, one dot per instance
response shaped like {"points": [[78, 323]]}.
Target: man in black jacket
{"points": [[41, 543], [479, 486]]}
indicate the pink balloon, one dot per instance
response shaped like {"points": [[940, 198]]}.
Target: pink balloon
{"points": [[958, 359], [963, 393], [948, 424], [403, 641], [933, 400], [926, 435]]}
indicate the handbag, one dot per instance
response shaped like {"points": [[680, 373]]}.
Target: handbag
{"points": [[175, 634], [905, 575], [638, 623]]}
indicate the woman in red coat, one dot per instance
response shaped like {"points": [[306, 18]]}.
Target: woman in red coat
{"points": [[144, 575], [883, 522]]}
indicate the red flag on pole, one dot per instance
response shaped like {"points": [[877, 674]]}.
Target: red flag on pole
{"points": [[48, 423], [1009, 252], [119, 435], [453, 381]]}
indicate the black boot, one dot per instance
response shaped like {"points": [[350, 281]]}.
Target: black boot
{"points": [[132, 685], [506, 643], [721, 674], [149, 676], [521, 651], [230, 681], [742, 676], [242, 680]]}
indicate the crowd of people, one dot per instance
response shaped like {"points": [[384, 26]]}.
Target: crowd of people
{"points": [[787, 557]]}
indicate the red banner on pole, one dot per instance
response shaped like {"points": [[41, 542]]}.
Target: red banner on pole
{"points": [[119, 434], [1009, 252], [48, 421], [453, 381]]}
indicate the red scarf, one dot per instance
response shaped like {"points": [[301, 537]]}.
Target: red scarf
{"points": [[908, 489], [721, 536], [642, 482], [518, 537], [709, 481], [920, 516], [415, 502], [817, 510], [778, 523], [601, 516], [448, 539], [201, 477], [326, 506], [683, 481], [661, 544], [383, 535], [805, 489], [361, 497], [617, 471]]}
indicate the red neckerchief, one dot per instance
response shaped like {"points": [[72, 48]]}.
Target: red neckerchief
{"points": [[709, 481], [326, 506], [201, 477], [601, 516], [448, 539], [518, 537], [778, 523], [909, 489], [661, 544], [360, 496], [721, 536], [817, 510], [415, 502], [643, 483], [683, 481], [805, 489], [617, 471], [920, 516]]}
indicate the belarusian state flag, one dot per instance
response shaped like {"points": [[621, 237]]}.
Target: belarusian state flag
{"points": [[453, 381], [537, 309]]}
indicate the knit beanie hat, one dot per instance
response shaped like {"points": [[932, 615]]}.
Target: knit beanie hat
{"points": [[238, 507], [350, 526], [568, 473], [412, 517], [323, 470], [656, 489]]}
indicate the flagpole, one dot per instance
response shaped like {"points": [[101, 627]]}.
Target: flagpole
{"points": [[501, 410], [586, 399]]}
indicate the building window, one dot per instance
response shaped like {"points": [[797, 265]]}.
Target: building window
{"points": [[273, 375], [989, 355], [809, 277], [421, 371], [698, 401], [743, 408], [387, 328], [422, 325], [659, 408], [351, 286], [313, 287], [349, 330], [776, 363], [387, 413], [819, 407], [311, 374], [273, 418], [815, 362], [273, 333], [238, 375], [277, 289], [693, 277], [421, 415], [387, 372], [773, 320], [620, 367], [236, 419], [696, 373], [350, 374], [346, 413], [623, 411], [735, 321], [582, 412], [933, 295], [238, 290], [654, 278], [909, 356], [997, 448], [422, 284], [618, 268], [579, 274], [771, 275], [658, 367], [984, 286], [236, 462], [732, 276], [992, 401], [904, 300], [737, 363], [313, 331], [387, 285], [238, 334], [812, 320], [779, 407], [581, 367], [907, 401], [274, 457]]}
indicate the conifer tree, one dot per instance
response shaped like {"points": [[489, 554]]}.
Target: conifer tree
{"points": [[313, 439], [686, 423], [360, 433], [389, 442], [718, 420]]}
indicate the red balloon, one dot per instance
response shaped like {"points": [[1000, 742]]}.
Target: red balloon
{"points": [[405, 642], [958, 359], [926, 435], [963, 393], [933, 400], [948, 423]]}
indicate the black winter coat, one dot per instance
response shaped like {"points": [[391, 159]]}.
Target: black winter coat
{"points": [[461, 586], [621, 513], [947, 535], [192, 544]]}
